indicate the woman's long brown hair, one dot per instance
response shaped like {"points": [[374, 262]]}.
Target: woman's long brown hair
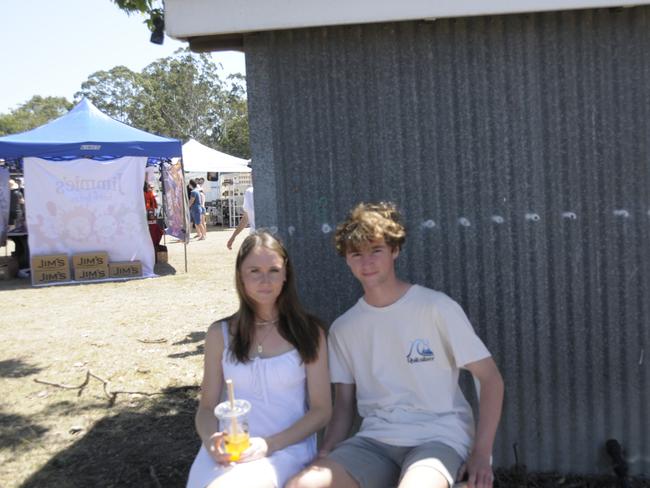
{"points": [[296, 326]]}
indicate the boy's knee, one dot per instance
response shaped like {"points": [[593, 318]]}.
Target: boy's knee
{"points": [[324, 473], [301, 480], [311, 477], [293, 482]]}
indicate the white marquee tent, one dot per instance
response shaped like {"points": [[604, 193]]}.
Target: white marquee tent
{"points": [[199, 158]]}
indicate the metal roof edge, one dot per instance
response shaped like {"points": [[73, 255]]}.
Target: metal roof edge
{"points": [[223, 23]]}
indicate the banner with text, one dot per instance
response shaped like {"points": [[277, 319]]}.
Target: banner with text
{"points": [[87, 206]]}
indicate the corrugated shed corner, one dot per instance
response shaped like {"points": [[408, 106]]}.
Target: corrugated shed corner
{"points": [[517, 148]]}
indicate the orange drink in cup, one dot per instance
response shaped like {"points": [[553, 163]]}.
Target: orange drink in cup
{"points": [[236, 444], [233, 422]]}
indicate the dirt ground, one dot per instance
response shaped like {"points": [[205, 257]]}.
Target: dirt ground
{"points": [[140, 335], [143, 336]]}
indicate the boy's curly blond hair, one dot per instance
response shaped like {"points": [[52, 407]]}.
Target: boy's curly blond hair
{"points": [[367, 222]]}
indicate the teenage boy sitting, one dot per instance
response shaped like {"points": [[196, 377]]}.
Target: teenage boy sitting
{"points": [[397, 353]]}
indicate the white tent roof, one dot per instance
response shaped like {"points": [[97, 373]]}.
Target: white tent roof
{"points": [[200, 158]]}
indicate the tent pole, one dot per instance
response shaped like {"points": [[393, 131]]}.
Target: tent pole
{"points": [[164, 205], [164, 192]]}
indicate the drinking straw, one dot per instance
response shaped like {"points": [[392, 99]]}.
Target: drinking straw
{"points": [[231, 399], [231, 393]]}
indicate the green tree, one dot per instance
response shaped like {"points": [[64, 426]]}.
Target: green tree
{"points": [[33, 113], [113, 92], [181, 96], [233, 136], [184, 97]]}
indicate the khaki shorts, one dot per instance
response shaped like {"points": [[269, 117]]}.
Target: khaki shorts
{"points": [[374, 464]]}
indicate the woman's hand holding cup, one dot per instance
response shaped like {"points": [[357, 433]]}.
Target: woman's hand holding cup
{"points": [[258, 449], [217, 449]]}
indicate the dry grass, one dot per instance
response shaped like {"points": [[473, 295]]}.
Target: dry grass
{"points": [[50, 436]]}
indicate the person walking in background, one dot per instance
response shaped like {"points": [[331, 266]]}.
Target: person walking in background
{"points": [[199, 186], [189, 191], [396, 354], [276, 354], [16, 207], [189, 197], [248, 216], [150, 202], [195, 211]]}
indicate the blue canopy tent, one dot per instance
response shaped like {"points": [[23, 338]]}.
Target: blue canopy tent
{"points": [[86, 132]]}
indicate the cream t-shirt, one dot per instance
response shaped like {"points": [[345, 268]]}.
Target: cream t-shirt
{"points": [[404, 360], [249, 207]]}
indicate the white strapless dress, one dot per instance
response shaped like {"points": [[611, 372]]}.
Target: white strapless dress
{"points": [[276, 387]]}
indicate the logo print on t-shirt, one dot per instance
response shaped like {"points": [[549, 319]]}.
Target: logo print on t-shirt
{"points": [[420, 351]]}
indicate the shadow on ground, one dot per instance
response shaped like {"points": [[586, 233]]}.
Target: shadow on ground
{"points": [[164, 269], [151, 447], [15, 284], [191, 338], [17, 368], [154, 447], [16, 430]]}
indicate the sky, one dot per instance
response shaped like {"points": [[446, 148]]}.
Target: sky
{"points": [[50, 47]]}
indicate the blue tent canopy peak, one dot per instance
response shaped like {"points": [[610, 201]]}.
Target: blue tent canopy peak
{"points": [[85, 131]]}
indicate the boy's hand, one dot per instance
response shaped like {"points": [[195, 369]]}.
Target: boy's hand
{"points": [[322, 454], [478, 470]]}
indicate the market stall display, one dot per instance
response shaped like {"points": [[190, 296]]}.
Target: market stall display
{"points": [[84, 172]]}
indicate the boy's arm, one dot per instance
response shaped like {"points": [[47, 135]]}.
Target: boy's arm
{"points": [[342, 417], [478, 466]]}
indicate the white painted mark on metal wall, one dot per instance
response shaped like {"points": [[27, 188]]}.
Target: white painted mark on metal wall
{"points": [[428, 224]]}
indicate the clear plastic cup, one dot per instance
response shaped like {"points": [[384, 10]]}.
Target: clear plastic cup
{"points": [[233, 422]]}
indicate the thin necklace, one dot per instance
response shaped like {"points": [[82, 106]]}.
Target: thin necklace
{"points": [[268, 322], [260, 349]]}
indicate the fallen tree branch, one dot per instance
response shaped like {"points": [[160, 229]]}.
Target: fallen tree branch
{"points": [[110, 394], [152, 341], [66, 387]]}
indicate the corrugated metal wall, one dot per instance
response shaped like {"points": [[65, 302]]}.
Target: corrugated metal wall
{"points": [[517, 148]]}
